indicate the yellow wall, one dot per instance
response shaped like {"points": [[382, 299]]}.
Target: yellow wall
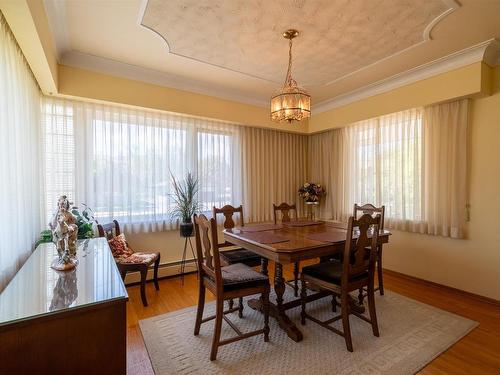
{"points": [[86, 84], [472, 264], [461, 82]]}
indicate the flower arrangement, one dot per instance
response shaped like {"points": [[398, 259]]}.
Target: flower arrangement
{"points": [[311, 192]]}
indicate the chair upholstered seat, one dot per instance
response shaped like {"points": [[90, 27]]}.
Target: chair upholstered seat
{"points": [[330, 271], [354, 272], [240, 255], [127, 260], [226, 283], [238, 276], [137, 258]]}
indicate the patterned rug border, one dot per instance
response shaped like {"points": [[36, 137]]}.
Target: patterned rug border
{"points": [[472, 325]]}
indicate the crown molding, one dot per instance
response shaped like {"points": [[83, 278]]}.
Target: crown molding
{"points": [[487, 51], [137, 73], [492, 54]]}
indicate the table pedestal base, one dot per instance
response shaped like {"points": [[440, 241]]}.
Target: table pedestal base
{"points": [[278, 310]]}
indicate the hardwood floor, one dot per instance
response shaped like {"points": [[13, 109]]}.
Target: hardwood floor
{"points": [[477, 353]]}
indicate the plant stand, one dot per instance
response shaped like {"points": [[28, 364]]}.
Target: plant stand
{"points": [[184, 260]]}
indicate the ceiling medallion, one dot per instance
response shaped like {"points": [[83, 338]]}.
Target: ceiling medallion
{"points": [[292, 103]]}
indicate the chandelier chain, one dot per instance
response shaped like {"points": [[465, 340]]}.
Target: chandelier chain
{"points": [[289, 81]]}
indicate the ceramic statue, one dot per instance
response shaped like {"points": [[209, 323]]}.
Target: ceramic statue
{"points": [[64, 235]]}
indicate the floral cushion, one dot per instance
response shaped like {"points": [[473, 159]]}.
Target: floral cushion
{"points": [[119, 247], [125, 255], [136, 258]]}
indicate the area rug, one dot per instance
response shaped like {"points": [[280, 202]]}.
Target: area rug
{"points": [[411, 335]]}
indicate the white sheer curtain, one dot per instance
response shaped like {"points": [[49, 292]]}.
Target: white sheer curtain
{"points": [[19, 157], [123, 157], [413, 162], [383, 166]]}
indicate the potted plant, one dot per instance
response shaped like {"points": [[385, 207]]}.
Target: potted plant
{"points": [[186, 203], [84, 220]]}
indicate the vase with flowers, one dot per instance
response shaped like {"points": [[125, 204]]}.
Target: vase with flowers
{"points": [[311, 193]]}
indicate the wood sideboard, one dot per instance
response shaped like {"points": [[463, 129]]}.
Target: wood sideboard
{"points": [[71, 322]]}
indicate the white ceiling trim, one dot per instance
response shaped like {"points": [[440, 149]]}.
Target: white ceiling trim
{"points": [[452, 5], [488, 51], [137, 73], [454, 61]]}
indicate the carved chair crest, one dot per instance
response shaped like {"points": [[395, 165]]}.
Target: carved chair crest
{"points": [[228, 211], [285, 209], [359, 249], [372, 210], [206, 245]]}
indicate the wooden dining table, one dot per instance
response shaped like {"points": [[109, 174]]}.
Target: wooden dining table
{"points": [[289, 243]]}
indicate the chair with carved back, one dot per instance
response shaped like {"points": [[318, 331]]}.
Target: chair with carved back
{"points": [[236, 255], [228, 282], [286, 210], [127, 260], [372, 210], [357, 270], [233, 255]]}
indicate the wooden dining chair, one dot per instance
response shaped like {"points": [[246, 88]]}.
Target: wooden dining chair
{"points": [[372, 210], [239, 254], [355, 271], [286, 211], [228, 282], [127, 260]]}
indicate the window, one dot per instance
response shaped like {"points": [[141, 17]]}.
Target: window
{"points": [[215, 168], [59, 151], [126, 159], [384, 165]]}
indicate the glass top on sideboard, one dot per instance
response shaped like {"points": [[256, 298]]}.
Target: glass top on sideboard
{"points": [[38, 290]]}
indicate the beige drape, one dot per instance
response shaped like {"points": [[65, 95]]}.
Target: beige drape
{"points": [[326, 167], [445, 166], [274, 167]]}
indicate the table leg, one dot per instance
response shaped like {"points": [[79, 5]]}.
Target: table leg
{"points": [[278, 310], [264, 262], [283, 320], [279, 285]]}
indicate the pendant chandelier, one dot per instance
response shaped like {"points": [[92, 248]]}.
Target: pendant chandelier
{"points": [[292, 103]]}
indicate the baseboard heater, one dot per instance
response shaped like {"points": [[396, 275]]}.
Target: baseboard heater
{"points": [[164, 270]]}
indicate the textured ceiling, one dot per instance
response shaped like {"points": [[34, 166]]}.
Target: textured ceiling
{"points": [[336, 37], [107, 36]]}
